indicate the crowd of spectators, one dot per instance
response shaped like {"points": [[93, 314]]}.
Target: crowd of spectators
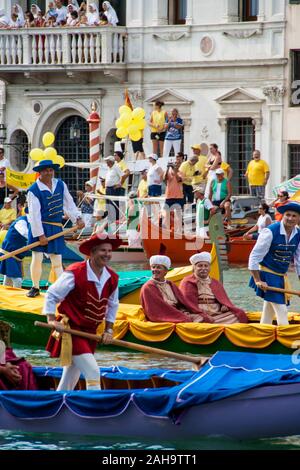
{"points": [[58, 15]]}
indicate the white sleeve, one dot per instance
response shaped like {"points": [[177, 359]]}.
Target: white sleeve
{"points": [[208, 204], [297, 260], [22, 227], [58, 292], [112, 306], [260, 249], [34, 215], [69, 205]]}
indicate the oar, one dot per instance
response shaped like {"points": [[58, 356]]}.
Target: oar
{"points": [[283, 291], [33, 245], [199, 361]]}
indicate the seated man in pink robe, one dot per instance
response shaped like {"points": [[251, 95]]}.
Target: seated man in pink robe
{"points": [[208, 294], [15, 372], [161, 299]]}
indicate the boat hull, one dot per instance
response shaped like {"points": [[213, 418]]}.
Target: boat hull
{"points": [[267, 411]]}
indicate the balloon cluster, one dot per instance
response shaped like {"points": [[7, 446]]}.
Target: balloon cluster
{"points": [[130, 123], [50, 153]]}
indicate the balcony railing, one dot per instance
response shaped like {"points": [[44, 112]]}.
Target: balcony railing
{"points": [[42, 47]]}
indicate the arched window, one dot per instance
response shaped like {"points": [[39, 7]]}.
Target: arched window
{"points": [[18, 150], [72, 142]]}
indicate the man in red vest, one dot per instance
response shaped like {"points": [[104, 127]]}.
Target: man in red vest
{"points": [[87, 293]]}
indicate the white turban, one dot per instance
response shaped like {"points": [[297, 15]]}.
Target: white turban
{"points": [[163, 260], [205, 257]]}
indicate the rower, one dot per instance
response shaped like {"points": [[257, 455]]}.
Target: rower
{"points": [[269, 261]]}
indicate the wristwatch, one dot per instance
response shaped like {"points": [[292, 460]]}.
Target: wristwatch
{"points": [[109, 331]]}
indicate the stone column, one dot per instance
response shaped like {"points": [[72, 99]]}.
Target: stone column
{"points": [[160, 12], [134, 13], [189, 12], [261, 10], [231, 11]]}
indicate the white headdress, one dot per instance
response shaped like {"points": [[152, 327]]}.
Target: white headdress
{"points": [[111, 14], [162, 260], [205, 257]]}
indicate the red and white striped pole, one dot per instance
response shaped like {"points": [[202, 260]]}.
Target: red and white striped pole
{"points": [[94, 128]]}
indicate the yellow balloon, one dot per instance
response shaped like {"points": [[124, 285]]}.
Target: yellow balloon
{"points": [[124, 110], [135, 136], [138, 113], [59, 160], [48, 139], [122, 132], [50, 153], [124, 121], [133, 128], [36, 154], [140, 123]]}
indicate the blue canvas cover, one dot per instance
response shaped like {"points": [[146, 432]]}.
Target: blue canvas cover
{"points": [[224, 375]]}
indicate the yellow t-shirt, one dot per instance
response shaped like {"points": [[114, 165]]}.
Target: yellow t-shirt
{"points": [[225, 166], [101, 203], [256, 171], [200, 166], [158, 119], [7, 215], [143, 188], [187, 171], [122, 165]]}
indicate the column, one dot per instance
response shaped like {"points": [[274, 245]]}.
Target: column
{"points": [[231, 11], [94, 130], [134, 13], [274, 156], [189, 12], [261, 10], [160, 12]]}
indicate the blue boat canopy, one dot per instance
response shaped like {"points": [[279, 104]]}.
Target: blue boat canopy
{"points": [[224, 375]]}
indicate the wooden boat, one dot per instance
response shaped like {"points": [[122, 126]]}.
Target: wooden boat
{"points": [[180, 247], [231, 395], [196, 338]]}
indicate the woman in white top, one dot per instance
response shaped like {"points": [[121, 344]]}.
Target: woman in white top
{"points": [[214, 161], [93, 15], [110, 14], [154, 176], [263, 221]]}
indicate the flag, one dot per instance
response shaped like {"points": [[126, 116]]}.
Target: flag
{"points": [[127, 100], [18, 179]]}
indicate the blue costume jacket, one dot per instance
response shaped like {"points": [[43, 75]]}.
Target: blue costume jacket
{"points": [[12, 267]]}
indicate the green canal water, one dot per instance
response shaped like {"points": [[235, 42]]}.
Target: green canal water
{"points": [[236, 284]]}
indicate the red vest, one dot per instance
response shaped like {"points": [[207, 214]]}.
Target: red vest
{"points": [[84, 308]]}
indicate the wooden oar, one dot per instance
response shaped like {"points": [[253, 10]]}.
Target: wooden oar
{"points": [[282, 291], [199, 361], [33, 245]]}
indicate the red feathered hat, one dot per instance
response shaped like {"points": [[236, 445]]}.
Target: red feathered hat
{"points": [[99, 239]]}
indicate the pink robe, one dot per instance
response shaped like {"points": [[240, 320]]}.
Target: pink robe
{"points": [[157, 310], [189, 290], [28, 381]]}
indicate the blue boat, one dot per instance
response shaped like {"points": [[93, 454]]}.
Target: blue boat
{"points": [[238, 395]]}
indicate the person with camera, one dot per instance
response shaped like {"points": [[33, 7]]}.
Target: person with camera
{"points": [[174, 202], [174, 127]]}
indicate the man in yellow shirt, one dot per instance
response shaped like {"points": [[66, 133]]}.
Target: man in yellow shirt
{"points": [[119, 158], [7, 214], [258, 173], [143, 185], [187, 172], [200, 170]]}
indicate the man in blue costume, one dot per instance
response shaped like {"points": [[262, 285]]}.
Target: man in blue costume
{"points": [[15, 238], [48, 200], [276, 247]]}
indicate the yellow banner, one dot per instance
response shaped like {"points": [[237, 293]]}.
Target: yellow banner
{"points": [[18, 179]]}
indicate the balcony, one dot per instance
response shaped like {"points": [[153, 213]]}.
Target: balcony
{"points": [[36, 52]]}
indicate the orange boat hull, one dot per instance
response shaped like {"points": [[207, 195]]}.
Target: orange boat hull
{"points": [[162, 241]]}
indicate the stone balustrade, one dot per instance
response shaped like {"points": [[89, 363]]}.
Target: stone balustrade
{"points": [[44, 47]]}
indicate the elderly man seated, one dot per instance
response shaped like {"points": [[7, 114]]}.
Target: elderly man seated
{"points": [[207, 294], [162, 300]]}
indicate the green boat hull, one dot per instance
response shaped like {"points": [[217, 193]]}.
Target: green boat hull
{"points": [[24, 333]]}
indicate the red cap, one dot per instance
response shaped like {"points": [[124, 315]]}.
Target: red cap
{"points": [[99, 239]]}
